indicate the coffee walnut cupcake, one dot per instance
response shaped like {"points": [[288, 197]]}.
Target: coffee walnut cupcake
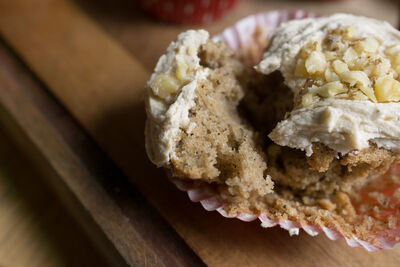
{"points": [[304, 137]]}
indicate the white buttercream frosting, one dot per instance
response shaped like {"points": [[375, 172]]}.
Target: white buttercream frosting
{"points": [[343, 125], [287, 40], [167, 117]]}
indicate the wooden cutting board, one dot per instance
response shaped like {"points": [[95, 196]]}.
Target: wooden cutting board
{"points": [[95, 57]]}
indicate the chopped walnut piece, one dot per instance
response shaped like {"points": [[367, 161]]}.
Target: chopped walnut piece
{"points": [[347, 67], [315, 63], [387, 89], [165, 86]]}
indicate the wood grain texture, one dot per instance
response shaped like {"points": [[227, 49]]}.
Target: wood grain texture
{"points": [[78, 172], [104, 94], [36, 230]]}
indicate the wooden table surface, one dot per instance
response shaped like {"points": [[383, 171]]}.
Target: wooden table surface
{"points": [[35, 228], [94, 57]]}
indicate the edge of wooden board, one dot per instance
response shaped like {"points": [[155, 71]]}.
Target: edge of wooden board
{"points": [[116, 216]]}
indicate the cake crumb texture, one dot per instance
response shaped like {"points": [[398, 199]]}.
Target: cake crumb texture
{"points": [[221, 147]]}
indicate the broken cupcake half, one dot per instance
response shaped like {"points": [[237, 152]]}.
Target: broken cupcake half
{"points": [[295, 137]]}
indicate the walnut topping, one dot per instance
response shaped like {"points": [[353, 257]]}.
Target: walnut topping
{"points": [[315, 63], [165, 86], [339, 66], [331, 89], [393, 50], [346, 67], [309, 99], [181, 70], [387, 89]]}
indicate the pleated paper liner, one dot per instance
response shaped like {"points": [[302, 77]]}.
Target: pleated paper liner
{"points": [[378, 202]]}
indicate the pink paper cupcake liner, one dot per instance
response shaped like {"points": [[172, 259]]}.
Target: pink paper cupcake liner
{"points": [[385, 194]]}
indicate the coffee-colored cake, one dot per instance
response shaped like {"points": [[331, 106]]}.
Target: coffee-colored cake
{"points": [[295, 136]]}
